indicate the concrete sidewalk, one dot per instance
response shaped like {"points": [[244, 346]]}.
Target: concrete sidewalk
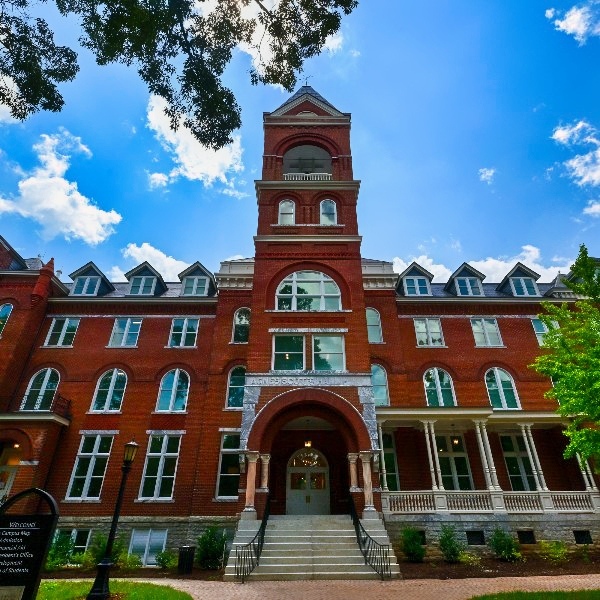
{"points": [[411, 589]]}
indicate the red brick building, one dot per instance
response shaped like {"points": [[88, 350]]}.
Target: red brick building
{"points": [[307, 371]]}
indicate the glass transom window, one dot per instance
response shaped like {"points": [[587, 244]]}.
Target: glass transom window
{"points": [[308, 290]]}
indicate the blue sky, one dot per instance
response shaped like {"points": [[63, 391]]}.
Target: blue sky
{"points": [[475, 132]]}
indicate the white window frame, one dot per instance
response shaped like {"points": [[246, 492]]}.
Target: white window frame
{"points": [[273, 354], [229, 387], [186, 329], [111, 390], [196, 282], [148, 533], [93, 456], [320, 278], [143, 279], [126, 332], [73, 534], [343, 352], [162, 456], [429, 339], [90, 286], [43, 389], [56, 327], [223, 451], [374, 331], [322, 213], [517, 283], [519, 455], [176, 377], [236, 324], [281, 214], [487, 342], [417, 280], [438, 387], [5, 315], [390, 451], [540, 329], [452, 455], [387, 389], [472, 284], [504, 404]]}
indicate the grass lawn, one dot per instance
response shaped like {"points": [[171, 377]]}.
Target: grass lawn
{"points": [[578, 595], [124, 590]]}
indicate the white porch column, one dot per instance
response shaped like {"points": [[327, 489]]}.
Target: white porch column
{"points": [[264, 471], [490, 456], [436, 458], [365, 459], [249, 510], [534, 466], [429, 455], [352, 458], [536, 457], [484, 458], [586, 473], [384, 484]]}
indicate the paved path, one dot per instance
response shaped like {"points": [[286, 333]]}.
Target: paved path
{"points": [[410, 589]]}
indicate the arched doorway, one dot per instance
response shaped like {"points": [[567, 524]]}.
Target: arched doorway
{"points": [[307, 488]]}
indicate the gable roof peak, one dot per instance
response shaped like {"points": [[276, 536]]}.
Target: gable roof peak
{"points": [[307, 92]]}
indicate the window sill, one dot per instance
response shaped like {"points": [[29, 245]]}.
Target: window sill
{"points": [[121, 347], [56, 346], [380, 343], [104, 412], [234, 408], [492, 346], [226, 499], [155, 500], [432, 346], [181, 347], [82, 500], [238, 343], [303, 312], [169, 412]]}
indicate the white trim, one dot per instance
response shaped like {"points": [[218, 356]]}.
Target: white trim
{"points": [[63, 332], [143, 279], [111, 388], [176, 377]]}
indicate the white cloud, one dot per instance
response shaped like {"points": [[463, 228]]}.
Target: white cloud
{"points": [[193, 160], [570, 134], [581, 21], [592, 209], [584, 169], [157, 180], [495, 269], [487, 175], [167, 266], [334, 42], [5, 116], [55, 203]]}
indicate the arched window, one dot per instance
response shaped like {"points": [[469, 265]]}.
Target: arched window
{"points": [[110, 391], [308, 290], [40, 391], [501, 389], [328, 212], [307, 159], [235, 387], [241, 326], [287, 212], [374, 326], [5, 311], [380, 386], [438, 388], [173, 391]]}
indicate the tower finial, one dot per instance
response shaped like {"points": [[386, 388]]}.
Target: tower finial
{"points": [[306, 79]]}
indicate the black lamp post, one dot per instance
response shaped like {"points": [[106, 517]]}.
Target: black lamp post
{"points": [[100, 589]]}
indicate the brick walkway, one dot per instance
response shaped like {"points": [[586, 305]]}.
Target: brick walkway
{"points": [[412, 589]]}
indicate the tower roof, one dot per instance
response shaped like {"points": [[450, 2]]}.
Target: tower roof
{"points": [[307, 92]]}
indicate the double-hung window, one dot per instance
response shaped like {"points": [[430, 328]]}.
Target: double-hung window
{"points": [[374, 326], [327, 354], [86, 286], [142, 285], [429, 332], [379, 384], [416, 286], [468, 286], [195, 286], [486, 332], [523, 286], [158, 480], [62, 332], [183, 333], [501, 389], [518, 464], [229, 466], [110, 391], [147, 543], [173, 392], [288, 353], [328, 213], [125, 332], [235, 387], [287, 210], [90, 467], [241, 326], [5, 311], [541, 329]]}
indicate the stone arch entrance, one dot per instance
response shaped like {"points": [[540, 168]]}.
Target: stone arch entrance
{"points": [[307, 483]]}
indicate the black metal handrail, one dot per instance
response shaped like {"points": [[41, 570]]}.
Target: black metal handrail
{"points": [[247, 556], [377, 555]]}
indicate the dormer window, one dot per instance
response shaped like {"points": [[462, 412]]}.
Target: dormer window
{"points": [[523, 286], [416, 286], [142, 285], [468, 286], [195, 286], [86, 286], [328, 213]]}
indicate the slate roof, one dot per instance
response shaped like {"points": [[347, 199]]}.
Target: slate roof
{"points": [[306, 89]]}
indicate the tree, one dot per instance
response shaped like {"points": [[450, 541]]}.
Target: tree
{"points": [[572, 357], [179, 47]]}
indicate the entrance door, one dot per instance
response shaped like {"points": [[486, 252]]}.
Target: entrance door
{"points": [[307, 484]]}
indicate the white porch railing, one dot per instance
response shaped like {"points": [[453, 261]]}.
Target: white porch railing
{"points": [[307, 176], [477, 501]]}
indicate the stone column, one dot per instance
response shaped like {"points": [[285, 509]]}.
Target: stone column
{"points": [[249, 511], [384, 484], [352, 458], [365, 459], [264, 471]]}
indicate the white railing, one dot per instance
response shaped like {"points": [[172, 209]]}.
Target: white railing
{"points": [[307, 176], [523, 502], [572, 501], [469, 501], [412, 502]]}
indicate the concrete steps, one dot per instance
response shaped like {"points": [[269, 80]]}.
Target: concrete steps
{"points": [[310, 547]]}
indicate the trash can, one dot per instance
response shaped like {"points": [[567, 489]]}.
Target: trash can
{"points": [[186, 559]]}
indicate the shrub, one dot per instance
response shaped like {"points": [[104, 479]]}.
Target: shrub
{"points": [[128, 561], [450, 545], [59, 554], [97, 548], [211, 548], [468, 558], [504, 546], [555, 551], [85, 560], [167, 559], [411, 544]]}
